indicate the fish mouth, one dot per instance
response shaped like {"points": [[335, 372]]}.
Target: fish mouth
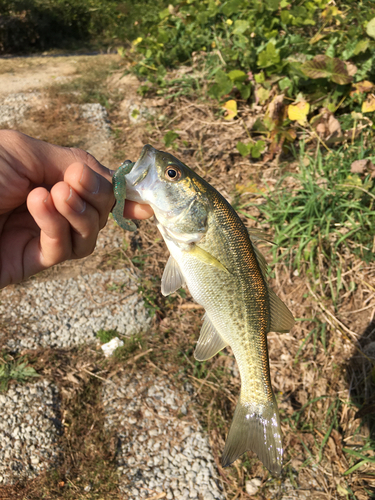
{"points": [[142, 165]]}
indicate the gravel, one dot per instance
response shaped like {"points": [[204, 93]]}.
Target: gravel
{"points": [[69, 312], [162, 448], [14, 107], [29, 428]]}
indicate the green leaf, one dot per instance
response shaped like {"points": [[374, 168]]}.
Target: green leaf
{"points": [[231, 7], [237, 75], [164, 13], [272, 4], [240, 27], [222, 86], [361, 46], [269, 56], [257, 149], [323, 66], [169, 138], [370, 28], [285, 83], [244, 149], [245, 91]]}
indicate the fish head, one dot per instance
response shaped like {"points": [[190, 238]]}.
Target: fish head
{"points": [[171, 188]]}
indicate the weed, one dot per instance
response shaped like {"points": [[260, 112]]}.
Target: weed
{"points": [[17, 370], [322, 214], [106, 335]]}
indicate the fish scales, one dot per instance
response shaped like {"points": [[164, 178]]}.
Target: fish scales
{"points": [[213, 254]]}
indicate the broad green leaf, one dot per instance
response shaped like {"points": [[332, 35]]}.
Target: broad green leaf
{"points": [[298, 112], [323, 66], [245, 91], [244, 149], [285, 83], [257, 149], [164, 13], [222, 86], [269, 56], [231, 7], [231, 109], [272, 4], [262, 95], [240, 27], [361, 46], [370, 28], [237, 75]]}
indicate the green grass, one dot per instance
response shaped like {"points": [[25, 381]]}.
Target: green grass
{"points": [[322, 214]]}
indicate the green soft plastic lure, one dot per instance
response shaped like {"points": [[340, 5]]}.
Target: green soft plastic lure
{"points": [[119, 189]]}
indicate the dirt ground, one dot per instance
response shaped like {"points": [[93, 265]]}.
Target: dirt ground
{"points": [[327, 433]]}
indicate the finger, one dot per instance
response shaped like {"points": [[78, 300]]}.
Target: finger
{"points": [[83, 218], [41, 162], [91, 187], [135, 210], [54, 244]]}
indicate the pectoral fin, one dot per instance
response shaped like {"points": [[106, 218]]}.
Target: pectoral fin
{"points": [[172, 278], [210, 341], [207, 258]]}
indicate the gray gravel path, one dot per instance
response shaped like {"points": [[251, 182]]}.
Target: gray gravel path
{"points": [[162, 447], [29, 428], [68, 312]]}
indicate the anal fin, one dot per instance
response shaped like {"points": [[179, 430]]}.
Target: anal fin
{"points": [[255, 427], [210, 341], [172, 278]]}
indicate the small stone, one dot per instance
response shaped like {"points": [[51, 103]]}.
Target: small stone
{"points": [[252, 486]]}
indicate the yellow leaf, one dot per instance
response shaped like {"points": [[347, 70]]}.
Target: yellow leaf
{"points": [[369, 105], [298, 112], [364, 86], [231, 109]]}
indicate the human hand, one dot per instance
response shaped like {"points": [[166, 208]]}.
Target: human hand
{"points": [[53, 203]]}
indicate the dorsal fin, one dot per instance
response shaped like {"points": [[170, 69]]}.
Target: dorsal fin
{"points": [[281, 318], [210, 341], [172, 278], [257, 234]]}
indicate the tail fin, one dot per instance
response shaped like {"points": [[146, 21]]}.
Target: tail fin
{"points": [[255, 427]]}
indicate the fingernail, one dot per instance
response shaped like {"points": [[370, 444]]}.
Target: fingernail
{"points": [[75, 202], [47, 202], [90, 180]]}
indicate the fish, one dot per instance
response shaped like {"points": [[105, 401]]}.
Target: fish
{"points": [[216, 257]]}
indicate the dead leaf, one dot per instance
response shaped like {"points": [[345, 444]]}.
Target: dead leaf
{"points": [[369, 105], [362, 87], [351, 68], [231, 109], [298, 112], [358, 166], [363, 167], [334, 126]]}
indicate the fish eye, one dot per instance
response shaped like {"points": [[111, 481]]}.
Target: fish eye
{"points": [[172, 173]]}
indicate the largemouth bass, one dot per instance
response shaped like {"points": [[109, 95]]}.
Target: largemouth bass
{"points": [[212, 252]]}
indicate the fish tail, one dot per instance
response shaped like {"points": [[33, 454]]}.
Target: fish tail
{"points": [[255, 427]]}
